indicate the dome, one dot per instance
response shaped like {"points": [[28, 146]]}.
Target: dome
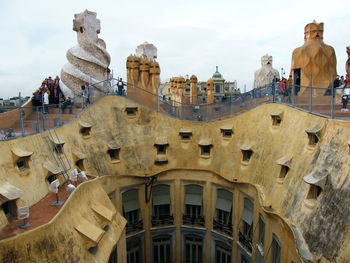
{"points": [[217, 74]]}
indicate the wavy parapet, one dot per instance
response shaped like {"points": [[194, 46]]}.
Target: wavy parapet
{"points": [[88, 61]]}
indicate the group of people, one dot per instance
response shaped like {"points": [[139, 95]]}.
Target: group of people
{"points": [[345, 85], [48, 93]]}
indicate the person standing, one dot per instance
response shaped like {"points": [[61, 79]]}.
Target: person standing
{"points": [[57, 90], [120, 86], [46, 101]]}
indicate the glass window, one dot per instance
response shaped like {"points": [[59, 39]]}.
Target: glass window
{"points": [[131, 210], [193, 200], [133, 248], [224, 206], [193, 205], [193, 249], [276, 250], [161, 205], [261, 236], [222, 253], [162, 249], [246, 229], [217, 88]]}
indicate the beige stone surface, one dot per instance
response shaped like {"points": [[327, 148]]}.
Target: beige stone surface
{"points": [[323, 227]]}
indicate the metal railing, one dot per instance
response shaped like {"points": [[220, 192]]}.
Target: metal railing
{"points": [[21, 121], [220, 226], [134, 227], [193, 220], [162, 220]]}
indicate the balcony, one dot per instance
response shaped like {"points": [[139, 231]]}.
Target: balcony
{"points": [[193, 220], [134, 227], [245, 241], [163, 220], [222, 227]]}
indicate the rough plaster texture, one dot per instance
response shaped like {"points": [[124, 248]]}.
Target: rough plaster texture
{"points": [[88, 61], [266, 73], [324, 227], [315, 58]]}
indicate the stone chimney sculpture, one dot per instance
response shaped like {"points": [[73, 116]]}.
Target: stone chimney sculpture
{"points": [[210, 91], [88, 62], [266, 73], [314, 58], [193, 89], [143, 70]]}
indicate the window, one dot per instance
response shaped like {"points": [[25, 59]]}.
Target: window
{"points": [[217, 88], [51, 178], [193, 205], [131, 210], [162, 249], [223, 217], [85, 131], [314, 192], [246, 230], [80, 164], [314, 135], [246, 155], [22, 163], [261, 235], [113, 258], [313, 139], [205, 150], [276, 120], [193, 249], [161, 148], [284, 171], [131, 111], [161, 205], [59, 148], [9, 208], [244, 259], [226, 133], [222, 253], [113, 154], [133, 251], [276, 250], [185, 136]]}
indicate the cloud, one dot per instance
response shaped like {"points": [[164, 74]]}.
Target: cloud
{"points": [[192, 37]]}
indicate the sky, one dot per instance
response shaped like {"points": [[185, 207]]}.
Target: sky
{"points": [[192, 36]]}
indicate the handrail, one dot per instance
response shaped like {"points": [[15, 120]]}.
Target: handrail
{"points": [[321, 101]]}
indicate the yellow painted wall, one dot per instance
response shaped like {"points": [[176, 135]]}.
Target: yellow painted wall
{"points": [[137, 136]]}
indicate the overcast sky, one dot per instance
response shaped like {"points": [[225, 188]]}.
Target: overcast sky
{"points": [[192, 37]]}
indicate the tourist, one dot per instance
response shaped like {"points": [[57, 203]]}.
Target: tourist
{"points": [[289, 86], [45, 100], [342, 80], [50, 87], [120, 86], [68, 103], [36, 99], [86, 95], [57, 90]]}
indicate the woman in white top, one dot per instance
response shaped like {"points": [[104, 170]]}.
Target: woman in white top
{"points": [[46, 101]]}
